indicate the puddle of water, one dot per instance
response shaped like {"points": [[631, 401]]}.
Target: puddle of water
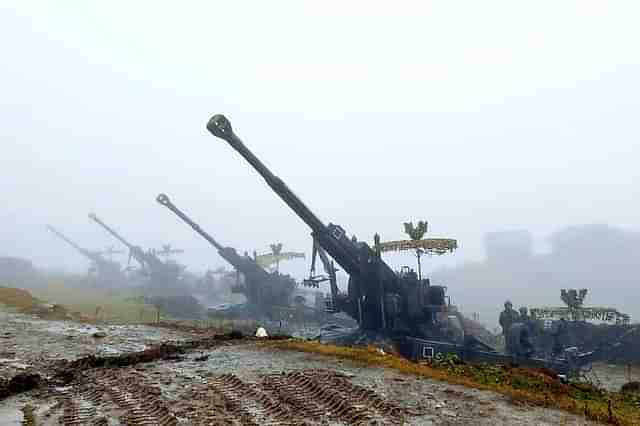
{"points": [[10, 416], [105, 350], [62, 328]]}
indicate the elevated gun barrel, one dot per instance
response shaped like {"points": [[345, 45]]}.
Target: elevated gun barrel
{"points": [[165, 201], [93, 256], [243, 264], [332, 237], [64, 238], [221, 127], [95, 218]]}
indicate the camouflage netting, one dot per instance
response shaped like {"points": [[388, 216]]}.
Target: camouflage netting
{"points": [[268, 259], [430, 245]]}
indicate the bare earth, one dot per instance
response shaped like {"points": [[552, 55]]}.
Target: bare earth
{"points": [[243, 384]]}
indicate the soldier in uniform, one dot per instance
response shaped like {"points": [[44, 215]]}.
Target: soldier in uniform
{"points": [[507, 318], [531, 323]]}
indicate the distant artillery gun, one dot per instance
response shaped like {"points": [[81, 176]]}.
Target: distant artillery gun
{"points": [[110, 251], [263, 290], [167, 252], [162, 275], [106, 270]]}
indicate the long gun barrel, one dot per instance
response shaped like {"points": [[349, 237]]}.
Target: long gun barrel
{"points": [[331, 237], [165, 201], [221, 127], [95, 257], [95, 218], [242, 263], [147, 259]]}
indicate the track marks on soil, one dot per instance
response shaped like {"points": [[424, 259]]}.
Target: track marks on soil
{"points": [[296, 398], [330, 394], [110, 394], [301, 397], [141, 401]]}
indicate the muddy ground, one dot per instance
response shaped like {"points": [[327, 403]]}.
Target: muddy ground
{"points": [[229, 384]]}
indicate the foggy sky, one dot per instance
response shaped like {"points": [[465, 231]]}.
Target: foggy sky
{"points": [[476, 116]]}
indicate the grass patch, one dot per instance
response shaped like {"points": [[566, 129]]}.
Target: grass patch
{"points": [[78, 303], [123, 306], [18, 299], [523, 386]]}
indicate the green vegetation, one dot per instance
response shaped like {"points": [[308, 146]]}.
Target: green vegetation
{"points": [[79, 303], [89, 303]]}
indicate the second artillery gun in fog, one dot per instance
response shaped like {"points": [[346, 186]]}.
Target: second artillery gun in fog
{"points": [[107, 271], [161, 274], [378, 297], [263, 290]]}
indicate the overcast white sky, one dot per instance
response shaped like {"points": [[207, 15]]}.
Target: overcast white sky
{"points": [[477, 116]]}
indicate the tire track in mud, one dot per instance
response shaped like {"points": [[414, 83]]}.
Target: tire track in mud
{"points": [[301, 397], [297, 398], [250, 402], [360, 394], [317, 396], [108, 394], [141, 402], [74, 407]]}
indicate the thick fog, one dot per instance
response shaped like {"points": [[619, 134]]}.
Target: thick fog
{"points": [[600, 258], [478, 117]]}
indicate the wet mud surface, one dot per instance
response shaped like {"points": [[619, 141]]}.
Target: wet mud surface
{"points": [[28, 343], [230, 382]]}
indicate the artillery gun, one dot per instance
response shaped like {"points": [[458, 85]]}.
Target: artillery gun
{"points": [[108, 271], [378, 298], [161, 274], [263, 290], [384, 301]]}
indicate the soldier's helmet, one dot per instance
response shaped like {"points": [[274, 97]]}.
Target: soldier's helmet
{"points": [[508, 304]]}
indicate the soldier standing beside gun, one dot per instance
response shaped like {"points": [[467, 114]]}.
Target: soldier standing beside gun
{"points": [[524, 314], [529, 321], [507, 318]]}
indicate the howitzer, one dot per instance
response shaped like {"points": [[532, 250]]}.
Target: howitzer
{"points": [[162, 274], [378, 298], [107, 269], [261, 288]]}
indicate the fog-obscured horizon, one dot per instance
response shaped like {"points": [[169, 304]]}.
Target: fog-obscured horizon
{"points": [[493, 117]]}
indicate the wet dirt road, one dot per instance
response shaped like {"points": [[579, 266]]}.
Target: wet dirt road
{"points": [[243, 385]]}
